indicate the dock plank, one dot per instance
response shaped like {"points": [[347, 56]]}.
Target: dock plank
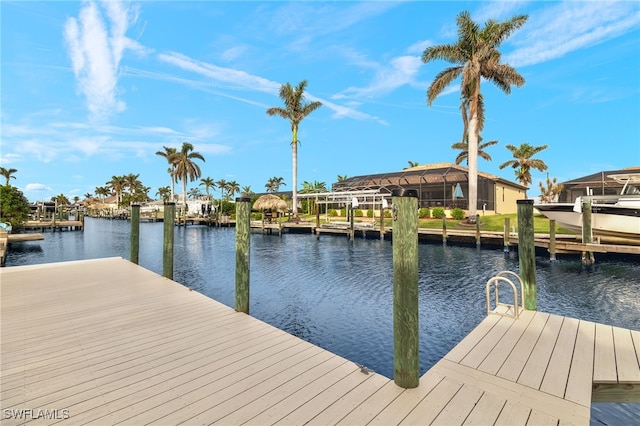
{"points": [[119, 344]]}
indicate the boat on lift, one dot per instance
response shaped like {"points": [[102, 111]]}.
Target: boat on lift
{"points": [[614, 218]]}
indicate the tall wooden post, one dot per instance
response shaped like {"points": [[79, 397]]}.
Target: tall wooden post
{"points": [[478, 230], [135, 233], [587, 236], [507, 233], [552, 240], [405, 288], [381, 221], [167, 254], [352, 213], [317, 216], [527, 253], [243, 226]]}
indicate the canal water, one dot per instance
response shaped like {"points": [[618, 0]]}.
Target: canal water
{"points": [[338, 294]]}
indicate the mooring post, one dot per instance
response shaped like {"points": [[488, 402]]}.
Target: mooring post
{"points": [[243, 226], [405, 288], [444, 228], [507, 233], [317, 216], [477, 229], [552, 240], [587, 236], [527, 253], [381, 221], [135, 233], [167, 253], [352, 213]]}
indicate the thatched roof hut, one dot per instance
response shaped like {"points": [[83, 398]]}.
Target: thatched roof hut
{"points": [[270, 202]]}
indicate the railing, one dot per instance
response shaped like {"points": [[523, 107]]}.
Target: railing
{"points": [[512, 310]]}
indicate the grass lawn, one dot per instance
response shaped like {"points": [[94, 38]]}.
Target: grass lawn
{"points": [[487, 223]]}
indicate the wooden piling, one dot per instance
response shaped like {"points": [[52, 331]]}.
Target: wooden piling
{"points": [[167, 254], [478, 230], [135, 233], [405, 288], [381, 222], [587, 236], [243, 228], [352, 213], [527, 253], [552, 240], [507, 233]]}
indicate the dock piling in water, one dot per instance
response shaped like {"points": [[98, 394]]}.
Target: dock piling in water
{"points": [[527, 253], [135, 233], [243, 228], [587, 235], [405, 288], [167, 254]]}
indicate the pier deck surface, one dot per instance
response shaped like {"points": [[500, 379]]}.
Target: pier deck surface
{"points": [[105, 342]]}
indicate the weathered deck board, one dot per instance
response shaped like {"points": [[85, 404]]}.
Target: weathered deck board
{"points": [[118, 344]]}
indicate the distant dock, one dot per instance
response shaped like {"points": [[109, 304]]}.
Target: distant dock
{"points": [[106, 341]]}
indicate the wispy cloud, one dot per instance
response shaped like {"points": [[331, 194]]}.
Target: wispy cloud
{"points": [[570, 26], [36, 187], [237, 80], [399, 72], [95, 44]]}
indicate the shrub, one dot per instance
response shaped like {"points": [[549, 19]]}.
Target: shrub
{"points": [[358, 213], [343, 212], [332, 212], [14, 206], [457, 213], [423, 213], [438, 212], [369, 213], [387, 213]]}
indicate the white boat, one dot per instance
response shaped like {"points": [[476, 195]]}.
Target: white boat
{"points": [[613, 217]]}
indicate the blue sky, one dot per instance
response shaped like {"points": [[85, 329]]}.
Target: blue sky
{"points": [[94, 89]]}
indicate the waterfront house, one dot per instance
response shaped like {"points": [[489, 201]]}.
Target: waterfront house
{"points": [[443, 185]]}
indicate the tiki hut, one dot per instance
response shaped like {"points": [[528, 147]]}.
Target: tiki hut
{"points": [[270, 202]]}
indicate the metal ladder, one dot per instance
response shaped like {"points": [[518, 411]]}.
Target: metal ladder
{"points": [[512, 310]]}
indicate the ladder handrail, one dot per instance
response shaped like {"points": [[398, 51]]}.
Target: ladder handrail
{"points": [[495, 283]]}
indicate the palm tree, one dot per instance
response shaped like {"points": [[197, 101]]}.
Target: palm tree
{"points": [[342, 178], [295, 110], [168, 154], [208, 183], [88, 196], [102, 192], [232, 188], [464, 150], [246, 190], [475, 56], [222, 186], [185, 167], [411, 164], [194, 193], [117, 185], [523, 163], [131, 181], [164, 192], [274, 184], [8, 174]]}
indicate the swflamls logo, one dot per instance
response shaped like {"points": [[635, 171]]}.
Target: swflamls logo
{"points": [[35, 414]]}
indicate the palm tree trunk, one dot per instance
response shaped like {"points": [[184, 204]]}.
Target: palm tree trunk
{"points": [[184, 190], [473, 167], [294, 149]]}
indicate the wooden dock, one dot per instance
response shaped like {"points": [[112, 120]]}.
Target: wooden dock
{"points": [[106, 341], [53, 225], [6, 239]]}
